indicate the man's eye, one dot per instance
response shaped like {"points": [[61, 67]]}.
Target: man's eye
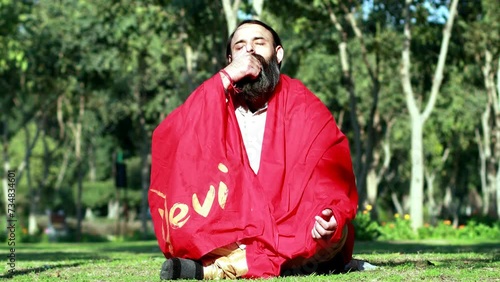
{"points": [[260, 43]]}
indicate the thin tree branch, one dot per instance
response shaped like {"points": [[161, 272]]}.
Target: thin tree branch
{"points": [[406, 63], [359, 35], [438, 75]]}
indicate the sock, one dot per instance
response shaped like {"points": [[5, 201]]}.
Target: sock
{"points": [[178, 268]]}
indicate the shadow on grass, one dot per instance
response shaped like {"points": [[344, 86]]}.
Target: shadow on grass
{"points": [[423, 247], [438, 263], [38, 269], [58, 256], [144, 249]]}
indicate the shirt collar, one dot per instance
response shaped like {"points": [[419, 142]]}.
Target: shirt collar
{"points": [[241, 106]]}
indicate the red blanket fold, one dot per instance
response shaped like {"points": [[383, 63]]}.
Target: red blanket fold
{"points": [[204, 195]]}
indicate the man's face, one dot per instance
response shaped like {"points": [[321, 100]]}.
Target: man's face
{"points": [[253, 38], [258, 41]]}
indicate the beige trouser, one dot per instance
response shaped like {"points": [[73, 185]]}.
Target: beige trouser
{"points": [[230, 262]]}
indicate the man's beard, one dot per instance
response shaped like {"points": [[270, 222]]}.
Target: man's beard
{"points": [[261, 88]]}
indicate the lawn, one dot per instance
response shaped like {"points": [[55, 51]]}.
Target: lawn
{"points": [[141, 261]]}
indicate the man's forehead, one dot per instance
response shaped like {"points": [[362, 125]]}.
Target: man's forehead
{"points": [[251, 31]]}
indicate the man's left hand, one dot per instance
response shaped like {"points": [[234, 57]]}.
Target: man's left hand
{"points": [[325, 225]]}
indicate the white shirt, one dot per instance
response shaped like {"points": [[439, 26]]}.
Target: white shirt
{"points": [[252, 126]]}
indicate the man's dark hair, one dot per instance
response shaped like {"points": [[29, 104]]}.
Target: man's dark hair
{"points": [[276, 38]]}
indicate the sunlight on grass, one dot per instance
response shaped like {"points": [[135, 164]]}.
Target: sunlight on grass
{"points": [[141, 261]]}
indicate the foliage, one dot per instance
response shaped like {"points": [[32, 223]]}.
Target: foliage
{"points": [[97, 194], [137, 236], [472, 230], [12, 15], [366, 229], [399, 229]]}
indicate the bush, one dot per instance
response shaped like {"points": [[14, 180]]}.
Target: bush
{"points": [[399, 229], [97, 193], [138, 236], [365, 228], [474, 230], [443, 230], [85, 237]]}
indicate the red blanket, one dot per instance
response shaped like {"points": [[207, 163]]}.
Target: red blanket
{"points": [[204, 195]]}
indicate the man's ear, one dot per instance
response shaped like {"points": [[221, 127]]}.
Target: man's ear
{"points": [[280, 52]]}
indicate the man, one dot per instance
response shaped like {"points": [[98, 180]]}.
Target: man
{"points": [[251, 177]]}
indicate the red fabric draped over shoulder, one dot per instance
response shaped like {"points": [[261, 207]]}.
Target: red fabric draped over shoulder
{"points": [[204, 195]]}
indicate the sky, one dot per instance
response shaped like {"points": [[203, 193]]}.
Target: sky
{"points": [[438, 14]]}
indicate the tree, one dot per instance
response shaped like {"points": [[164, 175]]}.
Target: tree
{"points": [[367, 159], [12, 64], [482, 39], [133, 62], [355, 85], [231, 9], [417, 117]]}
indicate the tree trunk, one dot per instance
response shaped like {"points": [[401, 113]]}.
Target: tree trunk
{"points": [[348, 84], [417, 175], [62, 170], [371, 186], [373, 126], [374, 176], [77, 133], [484, 156], [397, 203], [417, 118], [493, 163], [231, 13], [371, 169], [91, 161], [451, 202], [363, 160], [145, 174], [188, 54], [498, 189], [32, 223], [430, 176], [21, 167], [497, 147], [489, 142], [257, 8], [6, 163], [144, 146], [79, 206], [114, 208], [47, 162], [431, 207], [89, 215]]}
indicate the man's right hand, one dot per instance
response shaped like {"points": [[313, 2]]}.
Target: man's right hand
{"points": [[325, 225], [242, 66]]}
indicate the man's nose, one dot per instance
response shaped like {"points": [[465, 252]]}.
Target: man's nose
{"points": [[249, 48]]}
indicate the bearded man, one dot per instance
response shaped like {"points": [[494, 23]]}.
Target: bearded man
{"points": [[251, 176]]}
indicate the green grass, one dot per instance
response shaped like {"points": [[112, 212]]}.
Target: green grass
{"points": [[141, 261]]}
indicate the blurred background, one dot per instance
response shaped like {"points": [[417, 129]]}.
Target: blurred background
{"points": [[83, 83]]}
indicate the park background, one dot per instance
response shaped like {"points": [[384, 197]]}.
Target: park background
{"points": [[413, 84]]}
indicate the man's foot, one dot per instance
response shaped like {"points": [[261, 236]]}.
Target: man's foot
{"points": [[359, 265], [178, 268]]}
